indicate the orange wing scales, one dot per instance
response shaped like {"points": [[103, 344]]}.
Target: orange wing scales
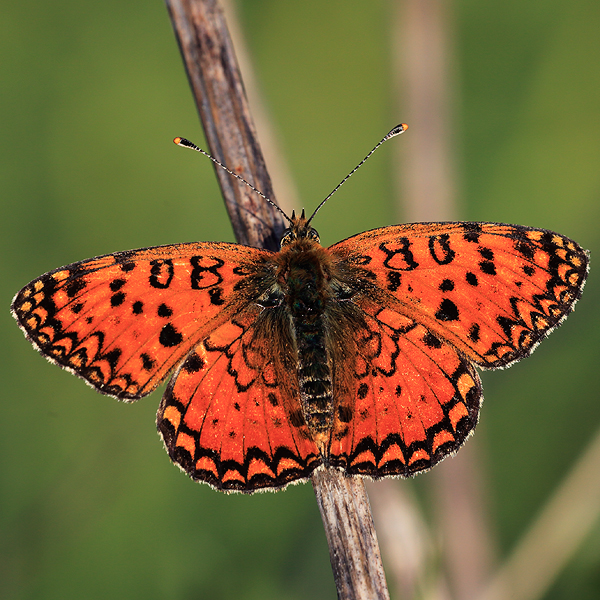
{"points": [[359, 357]]}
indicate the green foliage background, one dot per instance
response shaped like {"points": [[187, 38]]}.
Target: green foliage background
{"points": [[92, 94]]}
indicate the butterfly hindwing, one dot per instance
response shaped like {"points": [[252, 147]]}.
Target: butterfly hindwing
{"points": [[493, 291], [124, 320], [414, 400], [230, 417]]}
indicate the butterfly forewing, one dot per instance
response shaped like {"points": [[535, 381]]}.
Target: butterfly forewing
{"points": [[493, 291], [123, 321]]}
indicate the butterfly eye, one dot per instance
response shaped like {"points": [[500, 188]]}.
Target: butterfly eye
{"points": [[287, 238], [297, 233], [312, 234]]}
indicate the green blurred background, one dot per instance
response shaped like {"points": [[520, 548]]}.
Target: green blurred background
{"points": [[92, 95]]}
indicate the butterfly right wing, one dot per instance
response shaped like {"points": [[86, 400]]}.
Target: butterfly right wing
{"points": [[123, 321], [230, 416]]}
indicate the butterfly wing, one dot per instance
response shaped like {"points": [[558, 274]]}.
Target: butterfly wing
{"points": [[230, 417], [124, 320], [492, 291], [411, 401]]}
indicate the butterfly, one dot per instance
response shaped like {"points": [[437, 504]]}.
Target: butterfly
{"points": [[361, 356]]}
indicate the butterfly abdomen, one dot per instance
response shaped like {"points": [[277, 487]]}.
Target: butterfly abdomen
{"points": [[306, 296]]}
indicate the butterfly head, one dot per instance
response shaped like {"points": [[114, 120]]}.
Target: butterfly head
{"points": [[299, 229]]}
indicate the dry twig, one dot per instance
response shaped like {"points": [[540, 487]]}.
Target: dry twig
{"points": [[216, 83]]}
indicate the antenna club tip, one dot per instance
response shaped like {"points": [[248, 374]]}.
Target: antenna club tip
{"points": [[185, 143], [396, 131]]}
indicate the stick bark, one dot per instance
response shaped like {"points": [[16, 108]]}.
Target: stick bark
{"points": [[216, 83]]}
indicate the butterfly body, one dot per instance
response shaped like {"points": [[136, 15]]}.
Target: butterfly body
{"points": [[360, 356]]}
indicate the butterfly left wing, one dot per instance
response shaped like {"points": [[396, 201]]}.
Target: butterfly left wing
{"points": [[411, 400], [123, 321], [493, 291], [230, 416]]}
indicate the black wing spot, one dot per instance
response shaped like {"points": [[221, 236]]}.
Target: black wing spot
{"points": [[193, 364], [113, 357], [486, 253], [471, 279], [362, 391], [117, 284], [215, 296], [488, 267], [117, 299], [506, 324], [74, 287], [272, 398], [77, 308], [447, 285], [164, 311], [448, 311], [169, 336], [398, 390], [147, 362], [127, 266], [439, 248], [399, 255], [161, 273], [431, 341], [237, 406], [137, 308], [525, 249], [474, 332], [394, 280], [528, 270]]}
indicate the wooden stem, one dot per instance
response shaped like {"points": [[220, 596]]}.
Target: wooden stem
{"points": [[353, 548], [216, 82]]}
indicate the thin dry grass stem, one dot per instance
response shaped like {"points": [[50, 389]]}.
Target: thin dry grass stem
{"points": [[423, 67], [427, 183], [217, 86], [555, 535], [403, 535], [460, 504]]}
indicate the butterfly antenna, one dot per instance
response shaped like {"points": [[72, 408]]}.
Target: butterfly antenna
{"points": [[394, 132], [187, 144]]}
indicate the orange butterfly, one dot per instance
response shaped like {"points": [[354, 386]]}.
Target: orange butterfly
{"points": [[360, 356]]}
